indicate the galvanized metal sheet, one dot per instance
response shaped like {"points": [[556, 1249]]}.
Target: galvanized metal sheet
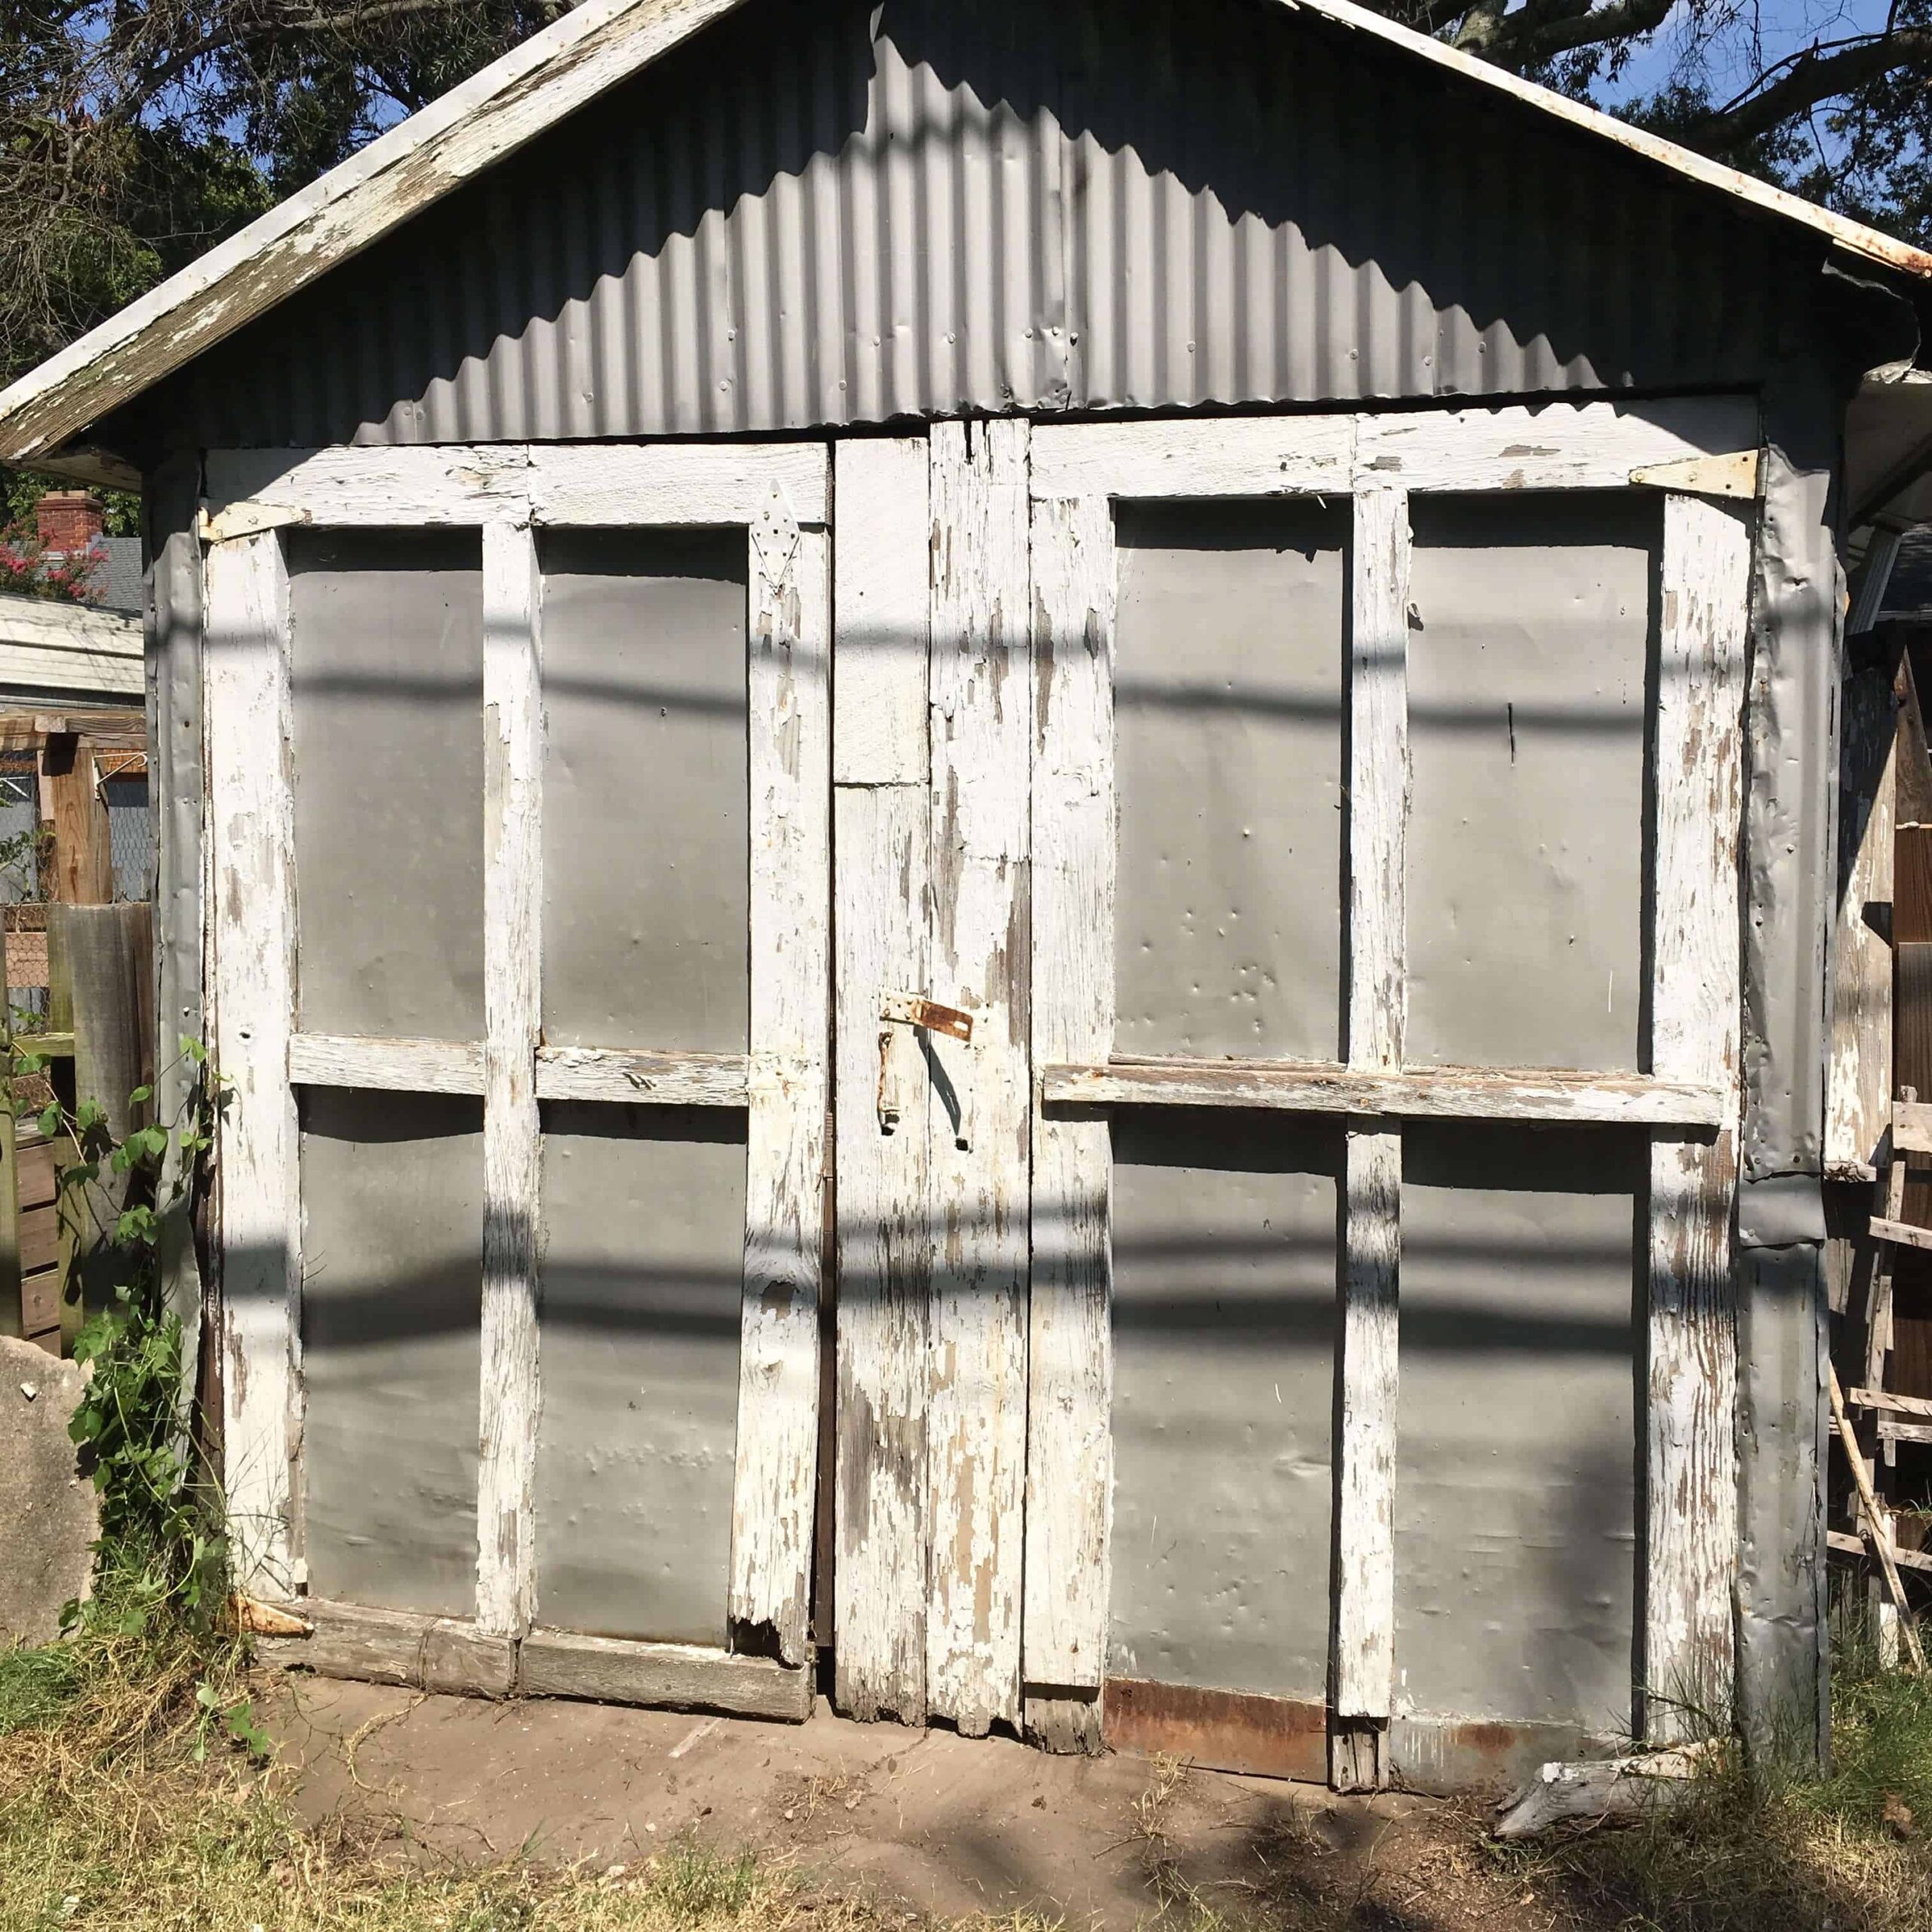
{"points": [[823, 215]]}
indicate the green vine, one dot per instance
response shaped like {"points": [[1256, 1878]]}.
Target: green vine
{"points": [[162, 1566]]}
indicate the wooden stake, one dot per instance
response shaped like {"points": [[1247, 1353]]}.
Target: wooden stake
{"points": [[1879, 1544]]}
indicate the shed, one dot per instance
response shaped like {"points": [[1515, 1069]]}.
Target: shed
{"points": [[1013, 831]]}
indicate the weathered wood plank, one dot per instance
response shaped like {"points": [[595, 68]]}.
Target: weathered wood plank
{"points": [[372, 485], [1376, 1006], [884, 1255], [1548, 446], [1859, 1070], [882, 573], [1069, 1444], [610, 484], [1365, 1639], [512, 910], [1378, 779], [1436, 1092], [446, 1655], [789, 1092], [1842, 1542], [553, 1663], [389, 1066], [1902, 1232], [1691, 1471], [1911, 1127], [1884, 1398], [1272, 456], [979, 1106], [252, 860], [639, 1078]]}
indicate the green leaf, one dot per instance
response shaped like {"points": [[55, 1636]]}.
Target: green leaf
{"points": [[194, 1049], [50, 1120], [140, 1094]]}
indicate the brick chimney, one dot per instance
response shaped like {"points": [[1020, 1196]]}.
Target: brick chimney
{"points": [[70, 520]]}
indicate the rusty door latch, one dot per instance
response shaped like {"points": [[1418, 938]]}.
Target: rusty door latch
{"points": [[901, 1015]]}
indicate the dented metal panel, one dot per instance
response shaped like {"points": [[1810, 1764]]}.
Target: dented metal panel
{"points": [[1228, 650], [1531, 645], [646, 790], [1516, 1471], [391, 1313], [1224, 1342], [643, 1259], [387, 670]]}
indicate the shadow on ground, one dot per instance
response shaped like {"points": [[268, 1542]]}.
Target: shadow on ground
{"points": [[930, 1822]]}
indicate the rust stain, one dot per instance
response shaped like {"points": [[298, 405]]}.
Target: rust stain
{"points": [[1226, 1731]]}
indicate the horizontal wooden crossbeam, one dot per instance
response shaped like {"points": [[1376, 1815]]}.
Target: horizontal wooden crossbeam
{"points": [[1435, 1093], [563, 1073]]}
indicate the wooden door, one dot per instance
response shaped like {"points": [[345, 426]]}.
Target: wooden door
{"points": [[981, 819], [561, 1017]]}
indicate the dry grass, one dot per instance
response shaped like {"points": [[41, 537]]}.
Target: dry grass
{"points": [[1788, 1852], [124, 1803]]}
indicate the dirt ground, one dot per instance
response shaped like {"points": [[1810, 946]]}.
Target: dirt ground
{"points": [[927, 1821]]}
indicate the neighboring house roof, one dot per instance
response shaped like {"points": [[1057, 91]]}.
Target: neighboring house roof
{"points": [[116, 583], [537, 84], [68, 652]]}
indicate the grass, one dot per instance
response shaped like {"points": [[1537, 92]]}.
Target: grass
{"points": [[122, 1805], [1784, 1850], [131, 1797]]}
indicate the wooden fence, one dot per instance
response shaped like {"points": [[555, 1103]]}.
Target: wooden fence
{"points": [[97, 1045]]}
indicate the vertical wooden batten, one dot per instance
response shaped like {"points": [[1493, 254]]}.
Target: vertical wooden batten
{"points": [[1858, 1086], [881, 619], [979, 1106], [252, 861], [1365, 1609], [1069, 1445], [775, 1486], [512, 910], [1691, 1511]]}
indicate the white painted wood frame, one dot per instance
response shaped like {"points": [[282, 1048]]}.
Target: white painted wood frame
{"points": [[882, 838], [779, 493], [776, 1485], [253, 934], [1069, 1443], [1375, 1010], [1691, 1512], [979, 1105], [613, 484], [1548, 1096], [1545, 446], [1700, 457], [513, 1023]]}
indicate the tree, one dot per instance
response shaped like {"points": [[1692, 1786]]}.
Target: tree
{"points": [[1829, 97]]}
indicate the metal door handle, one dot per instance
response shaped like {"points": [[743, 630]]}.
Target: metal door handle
{"points": [[900, 1015]]}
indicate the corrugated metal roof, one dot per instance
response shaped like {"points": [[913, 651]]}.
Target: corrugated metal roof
{"points": [[1023, 172], [803, 220]]}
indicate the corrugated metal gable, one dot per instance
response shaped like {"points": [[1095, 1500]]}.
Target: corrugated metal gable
{"points": [[814, 216]]}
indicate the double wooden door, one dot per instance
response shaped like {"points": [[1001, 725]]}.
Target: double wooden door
{"points": [[1052, 929]]}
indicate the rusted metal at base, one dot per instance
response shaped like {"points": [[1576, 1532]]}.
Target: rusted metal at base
{"points": [[1443, 1755], [1221, 1730], [1287, 1737]]}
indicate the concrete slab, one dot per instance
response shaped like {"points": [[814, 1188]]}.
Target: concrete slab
{"points": [[50, 1513]]}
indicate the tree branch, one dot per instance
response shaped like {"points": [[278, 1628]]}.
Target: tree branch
{"points": [[1810, 80]]}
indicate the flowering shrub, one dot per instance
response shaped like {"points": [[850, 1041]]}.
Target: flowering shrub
{"points": [[28, 569]]}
